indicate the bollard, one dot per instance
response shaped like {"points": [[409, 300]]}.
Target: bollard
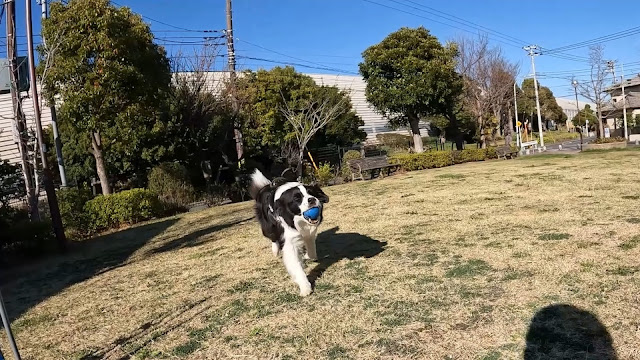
{"points": [[560, 147]]}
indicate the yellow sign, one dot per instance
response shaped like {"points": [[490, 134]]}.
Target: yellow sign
{"points": [[518, 123]]}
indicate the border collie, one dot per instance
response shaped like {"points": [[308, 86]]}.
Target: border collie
{"points": [[280, 208]]}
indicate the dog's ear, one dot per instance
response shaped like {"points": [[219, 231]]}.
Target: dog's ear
{"points": [[314, 190]]}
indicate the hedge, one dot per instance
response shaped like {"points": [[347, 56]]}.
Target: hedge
{"points": [[123, 208], [437, 159]]}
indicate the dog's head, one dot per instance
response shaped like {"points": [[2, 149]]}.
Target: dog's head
{"points": [[291, 200]]}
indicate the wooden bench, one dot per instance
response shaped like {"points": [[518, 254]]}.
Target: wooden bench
{"points": [[359, 166], [506, 152]]}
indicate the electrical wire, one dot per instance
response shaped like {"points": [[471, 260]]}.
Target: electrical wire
{"points": [[297, 64], [461, 21], [601, 39], [439, 22]]}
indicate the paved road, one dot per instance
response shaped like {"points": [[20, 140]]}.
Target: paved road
{"points": [[571, 145]]}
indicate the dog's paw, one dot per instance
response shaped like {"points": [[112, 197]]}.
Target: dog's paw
{"points": [[305, 290]]}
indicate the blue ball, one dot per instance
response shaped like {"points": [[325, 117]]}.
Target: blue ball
{"points": [[312, 213]]}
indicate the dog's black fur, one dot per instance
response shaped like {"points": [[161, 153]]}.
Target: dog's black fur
{"points": [[287, 206]]}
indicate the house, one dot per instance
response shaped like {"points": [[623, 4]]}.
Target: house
{"points": [[612, 112]]}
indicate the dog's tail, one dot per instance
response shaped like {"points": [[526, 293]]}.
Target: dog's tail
{"points": [[258, 181]]}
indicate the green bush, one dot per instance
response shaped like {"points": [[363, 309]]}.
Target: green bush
{"points": [[425, 160], [71, 202], [608, 140], [170, 181], [394, 140], [22, 238], [324, 174], [123, 208], [345, 172], [436, 159]]}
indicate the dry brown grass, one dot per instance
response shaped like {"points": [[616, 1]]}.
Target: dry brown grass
{"points": [[440, 264]]}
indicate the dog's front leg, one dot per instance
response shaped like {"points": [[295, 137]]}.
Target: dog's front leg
{"points": [[293, 263], [310, 244]]}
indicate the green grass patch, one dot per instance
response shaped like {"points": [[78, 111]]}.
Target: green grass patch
{"points": [[631, 243], [554, 236], [450, 176], [471, 268]]}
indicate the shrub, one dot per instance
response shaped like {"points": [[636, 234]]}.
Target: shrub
{"points": [[170, 181], [608, 140], [349, 155], [436, 159], [394, 140], [22, 238], [126, 207], [425, 160], [324, 174], [71, 202]]}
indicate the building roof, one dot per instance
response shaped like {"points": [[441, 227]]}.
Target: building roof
{"points": [[634, 81], [633, 102], [570, 104]]}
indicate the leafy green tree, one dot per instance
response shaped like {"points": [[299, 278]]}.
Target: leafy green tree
{"points": [[111, 79], [266, 130], [586, 114], [410, 75], [549, 108]]}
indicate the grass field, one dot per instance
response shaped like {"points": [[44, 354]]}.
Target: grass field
{"points": [[536, 258]]}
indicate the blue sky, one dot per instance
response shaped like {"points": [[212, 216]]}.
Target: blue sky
{"points": [[331, 34]]}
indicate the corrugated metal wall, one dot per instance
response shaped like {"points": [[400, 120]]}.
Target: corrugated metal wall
{"points": [[8, 146], [374, 123]]}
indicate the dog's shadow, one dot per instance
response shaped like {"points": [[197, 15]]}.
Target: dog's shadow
{"points": [[333, 247]]}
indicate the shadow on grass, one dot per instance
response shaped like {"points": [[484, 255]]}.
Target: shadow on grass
{"points": [[562, 331], [333, 247], [28, 286], [196, 238]]}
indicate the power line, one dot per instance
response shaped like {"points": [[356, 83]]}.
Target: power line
{"points": [[169, 25], [605, 38], [436, 21], [292, 57], [459, 20], [298, 64]]}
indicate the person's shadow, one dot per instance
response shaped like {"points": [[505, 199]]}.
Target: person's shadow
{"points": [[563, 331], [333, 247]]}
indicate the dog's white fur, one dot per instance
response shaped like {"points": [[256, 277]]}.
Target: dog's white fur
{"points": [[297, 239]]}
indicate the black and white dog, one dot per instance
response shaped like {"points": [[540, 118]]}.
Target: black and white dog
{"points": [[279, 208]]}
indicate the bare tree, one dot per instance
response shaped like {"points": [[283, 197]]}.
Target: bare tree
{"points": [[594, 88], [488, 80], [313, 115]]}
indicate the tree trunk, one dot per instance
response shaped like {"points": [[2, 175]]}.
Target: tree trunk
{"points": [[101, 169], [300, 166], [508, 129], [600, 124], [414, 122], [455, 132]]}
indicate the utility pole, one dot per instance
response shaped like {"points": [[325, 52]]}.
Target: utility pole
{"points": [[18, 114], [533, 51], [44, 4], [515, 102], [47, 178], [624, 104], [231, 63], [612, 67], [575, 90]]}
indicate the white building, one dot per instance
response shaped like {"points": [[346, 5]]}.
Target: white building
{"points": [[569, 108]]}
